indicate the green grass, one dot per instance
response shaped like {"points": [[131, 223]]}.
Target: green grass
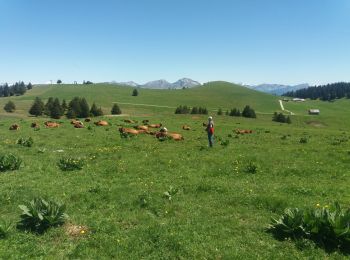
{"points": [[212, 95], [220, 210]]}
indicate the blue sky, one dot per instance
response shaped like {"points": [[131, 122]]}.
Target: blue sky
{"points": [[243, 41]]}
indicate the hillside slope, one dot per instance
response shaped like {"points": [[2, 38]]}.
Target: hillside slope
{"points": [[212, 95]]}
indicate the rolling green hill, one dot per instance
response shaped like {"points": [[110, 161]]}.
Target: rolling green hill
{"points": [[139, 198], [212, 95]]}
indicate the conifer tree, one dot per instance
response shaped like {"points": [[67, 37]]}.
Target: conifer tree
{"points": [[116, 110], [84, 108], [37, 108], [94, 110], [135, 92], [10, 107]]}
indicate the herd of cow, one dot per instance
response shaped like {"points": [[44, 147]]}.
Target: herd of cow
{"points": [[145, 128]]}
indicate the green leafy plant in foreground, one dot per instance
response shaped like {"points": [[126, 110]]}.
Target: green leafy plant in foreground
{"points": [[27, 142], [70, 164], [4, 228], [251, 168], [40, 214], [303, 140], [9, 162], [329, 227]]}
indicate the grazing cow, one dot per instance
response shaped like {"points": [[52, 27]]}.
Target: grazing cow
{"points": [[146, 121], [129, 121], [87, 119], [142, 127], [130, 131], [79, 125], [50, 124], [155, 125], [75, 121], [186, 127], [174, 136], [242, 132], [34, 125], [14, 127], [101, 123]]}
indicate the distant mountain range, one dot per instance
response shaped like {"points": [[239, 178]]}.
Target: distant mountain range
{"points": [[162, 84], [278, 89]]}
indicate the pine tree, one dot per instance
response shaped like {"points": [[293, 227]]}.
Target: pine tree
{"points": [[195, 110], [74, 109], [99, 112], [29, 86], [220, 112], [64, 106], [135, 92], [56, 109], [10, 107], [48, 106], [248, 112], [37, 108], [288, 121], [84, 108], [116, 110], [94, 110]]}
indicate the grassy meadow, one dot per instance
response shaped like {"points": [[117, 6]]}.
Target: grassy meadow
{"points": [[217, 208]]}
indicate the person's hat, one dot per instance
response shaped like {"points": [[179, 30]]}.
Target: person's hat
{"points": [[210, 118]]}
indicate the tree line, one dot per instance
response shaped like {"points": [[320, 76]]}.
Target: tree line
{"points": [[194, 110], [247, 112], [17, 89], [327, 92], [76, 108]]}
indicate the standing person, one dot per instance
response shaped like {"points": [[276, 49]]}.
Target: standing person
{"points": [[210, 131]]}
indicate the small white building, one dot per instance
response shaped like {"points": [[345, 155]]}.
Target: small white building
{"points": [[314, 111], [298, 99]]}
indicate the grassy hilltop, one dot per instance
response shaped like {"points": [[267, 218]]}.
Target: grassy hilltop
{"points": [[212, 95], [218, 207]]}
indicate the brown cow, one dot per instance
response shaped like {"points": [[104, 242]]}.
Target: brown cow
{"points": [[101, 123], [142, 127], [186, 127], [75, 121], [130, 131], [50, 124], [242, 132], [14, 127], [79, 125], [174, 136], [87, 119], [155, 125]]}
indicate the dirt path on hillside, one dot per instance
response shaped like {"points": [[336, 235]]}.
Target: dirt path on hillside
{"points": [[282, 107]]}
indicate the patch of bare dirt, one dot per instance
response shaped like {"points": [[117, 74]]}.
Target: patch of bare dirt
{"points": [[316, 123]]}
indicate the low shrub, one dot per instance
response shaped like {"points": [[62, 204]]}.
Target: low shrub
{"points": [[4, 228], [27, 142], [251, 168], [326, 226], [224, 143], [9, 162], [303, 140], [70, 164], [40, 214], [170, 193]]}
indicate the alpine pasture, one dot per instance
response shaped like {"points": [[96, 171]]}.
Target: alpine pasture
{"points": [[139, 197]]}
